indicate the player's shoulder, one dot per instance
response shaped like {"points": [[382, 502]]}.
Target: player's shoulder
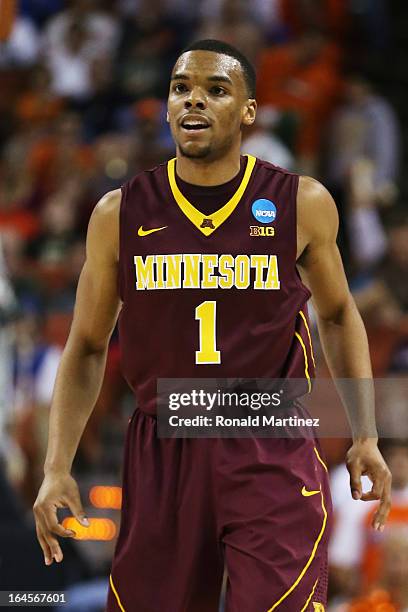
{"points": [[146, 177], [312, 189], [272, 169], [316, 209], [107, 208], [314, 198], [103, 229], [309, 188]]}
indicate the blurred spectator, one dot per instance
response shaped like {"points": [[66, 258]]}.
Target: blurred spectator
{"points": [[57, 232], [391, 591], [355, 548], [235, 24], [101, 28], [394, 267], [345, 549], [30, 354], [267, 13], [365, 127], [15, 189], [61, 157], [153, 130], [181, 9], [302, 77], [98, 111], [116, 160], [383, 301], [362, 228], [362, 168], [303, 15], [22, 46], [396, 454], [263, 143], [39, 106], [71, 62], [52, 250], [148, 47], [10, 456]]}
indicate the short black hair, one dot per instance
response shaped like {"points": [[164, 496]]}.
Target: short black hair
{"points": [[218, 46]]}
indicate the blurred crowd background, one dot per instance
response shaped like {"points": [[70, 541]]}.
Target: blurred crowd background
{"points": [[83, 87]]}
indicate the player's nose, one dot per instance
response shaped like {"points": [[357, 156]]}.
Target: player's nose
{"points": [[196, 99]]}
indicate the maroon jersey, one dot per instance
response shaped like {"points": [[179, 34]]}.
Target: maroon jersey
{"points": [[211, 295]]}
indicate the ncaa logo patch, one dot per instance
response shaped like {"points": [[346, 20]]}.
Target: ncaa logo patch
{"points": [[264, 210]]}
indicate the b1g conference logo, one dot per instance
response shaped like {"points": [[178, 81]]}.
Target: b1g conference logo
{"points": [[264, 211]]}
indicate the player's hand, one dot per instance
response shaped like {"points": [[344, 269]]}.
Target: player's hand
{"points": [[58, 490], [364, 458]]}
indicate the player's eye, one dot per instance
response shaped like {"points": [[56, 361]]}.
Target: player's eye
{"points": [[180, 88], [217, 90]]}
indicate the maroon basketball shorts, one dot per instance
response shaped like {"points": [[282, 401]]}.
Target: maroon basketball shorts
{"points": [[259, 507]]}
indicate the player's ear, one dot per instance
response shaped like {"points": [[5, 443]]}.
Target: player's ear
{"points": [[249, 112]]}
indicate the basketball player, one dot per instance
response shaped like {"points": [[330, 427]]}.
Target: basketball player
{"points": [[203, 289]]}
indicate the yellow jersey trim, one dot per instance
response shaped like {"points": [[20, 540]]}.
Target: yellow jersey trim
{"points": [[309, 336], [309, 561], [320, 459], [309, 382], [219, 216], [310, 597], [116, 593]]}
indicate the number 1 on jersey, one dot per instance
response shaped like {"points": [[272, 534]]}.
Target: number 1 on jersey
{"points": [[205, 313]]}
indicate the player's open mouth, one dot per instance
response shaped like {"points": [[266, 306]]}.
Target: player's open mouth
{"points": [[190, 127], [194, 125]]}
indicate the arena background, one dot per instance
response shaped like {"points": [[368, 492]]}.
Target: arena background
{"points": [[82, 108]]}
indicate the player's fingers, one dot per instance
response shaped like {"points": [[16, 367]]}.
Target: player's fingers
{"points": [[40, 526], [59, 530], [44, 546], [55, 548], [355, 472], [370, 496], [381, 515], [75, 505], [51, 542], [376, 492], [52, 524]]}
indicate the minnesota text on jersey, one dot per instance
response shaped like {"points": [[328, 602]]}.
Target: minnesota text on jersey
{"points": [[206, 271]]}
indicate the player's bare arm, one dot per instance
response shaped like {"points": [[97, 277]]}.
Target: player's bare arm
{"points": [[342, 335], [80, 374]]}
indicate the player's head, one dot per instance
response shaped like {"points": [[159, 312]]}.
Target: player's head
{"points": [[212, 96]]}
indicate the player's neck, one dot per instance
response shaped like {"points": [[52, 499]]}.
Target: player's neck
{"points": [[208, 174]]}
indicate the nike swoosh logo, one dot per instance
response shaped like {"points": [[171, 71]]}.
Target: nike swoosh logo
{"points": [[307, 493], [142, 232]]}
